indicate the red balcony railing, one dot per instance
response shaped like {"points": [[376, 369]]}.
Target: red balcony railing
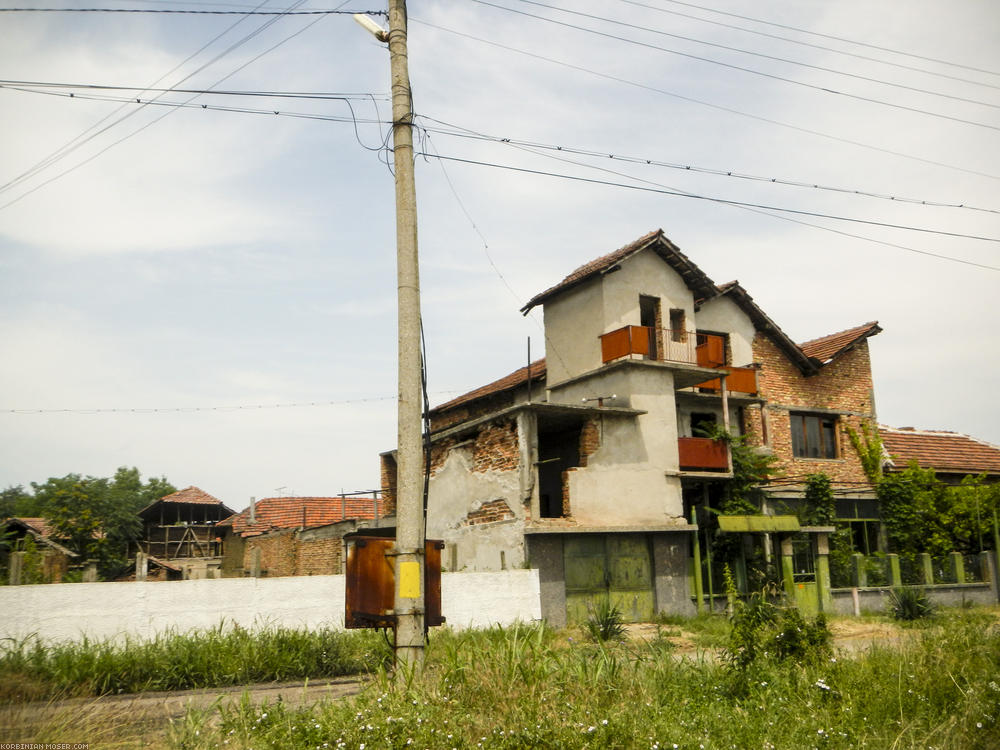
{"points": [[626, 341], [702, 454], [740, 380]]}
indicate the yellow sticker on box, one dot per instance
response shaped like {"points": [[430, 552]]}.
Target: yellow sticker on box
{"points": [[409, 580]]}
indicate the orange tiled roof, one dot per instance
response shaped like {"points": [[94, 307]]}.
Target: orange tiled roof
{"points": [[949, 452], [190, 495], [39, 525], [507, 382], [826, 348], [274, 513]]}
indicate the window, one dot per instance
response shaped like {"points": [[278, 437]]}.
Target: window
{"points": [[649, 317], [677, 326], [814, 435]]}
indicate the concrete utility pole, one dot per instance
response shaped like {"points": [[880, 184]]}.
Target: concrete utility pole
{"points": [[409, 498], [409, 550]]}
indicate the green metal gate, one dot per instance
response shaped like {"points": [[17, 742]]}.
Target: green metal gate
{"points": [[617, 566]]}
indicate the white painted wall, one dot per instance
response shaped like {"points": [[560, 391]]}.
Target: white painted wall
{"points": [[70, 611]]}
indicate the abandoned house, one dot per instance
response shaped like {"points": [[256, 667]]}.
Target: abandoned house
{"points": [[587, 465], [293, 536], [179, 534], [54, 558], [953, 456]]}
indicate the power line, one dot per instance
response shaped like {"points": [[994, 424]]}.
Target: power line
{"points": [[743, 69], [720, 107], [323, 95], [837, 38], [197, 12], [464, 133], [745, 30], [458, 132], [222, 54], [224, 408], [743, 204], [729, 48]]}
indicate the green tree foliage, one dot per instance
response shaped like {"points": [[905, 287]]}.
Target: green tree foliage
{"points": [[97, 517], [16, 501], [922, 514]]}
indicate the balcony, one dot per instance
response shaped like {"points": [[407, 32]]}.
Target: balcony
{"points": [[627, 341], [740, 380], [702, 454]]}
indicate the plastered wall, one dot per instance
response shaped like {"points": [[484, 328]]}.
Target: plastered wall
{"points": [[70, 611]]}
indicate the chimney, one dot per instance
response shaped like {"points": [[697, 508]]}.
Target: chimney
{"points": [[253, 510]]}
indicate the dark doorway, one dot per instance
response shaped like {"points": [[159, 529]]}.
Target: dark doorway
{"points": [[558, 451]]}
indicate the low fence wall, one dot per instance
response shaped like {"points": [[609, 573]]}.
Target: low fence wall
{"points": [[73, 611]]}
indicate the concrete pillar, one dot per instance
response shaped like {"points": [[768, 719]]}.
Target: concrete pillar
{"points": [[860, 570], [788, 568], [957, 566], [141, 564], [16, 568], [984, 567], [255, 562], [823, 571], [895, 577], [90, 572], [927, 567]]}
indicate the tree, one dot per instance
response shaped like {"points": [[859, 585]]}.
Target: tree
{"points": [[98, 517], [15, 501]]}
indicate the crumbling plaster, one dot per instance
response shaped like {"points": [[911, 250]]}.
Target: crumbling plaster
{"points": [[456, 490]]}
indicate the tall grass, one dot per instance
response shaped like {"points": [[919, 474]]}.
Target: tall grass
{"points": [[31, 669], [525, 687]]}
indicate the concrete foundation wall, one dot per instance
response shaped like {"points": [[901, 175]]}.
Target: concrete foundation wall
{"points": [[69, 611]]}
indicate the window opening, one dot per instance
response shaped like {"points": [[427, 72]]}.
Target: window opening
{"points": [[702, 422], [558, 452], [814, 435], [678, 331], [649, 317]]}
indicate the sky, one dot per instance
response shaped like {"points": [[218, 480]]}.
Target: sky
{"points": [[207, 292]]}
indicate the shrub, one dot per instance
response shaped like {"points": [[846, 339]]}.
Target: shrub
{"points": [[605, 622], [910, 603]]}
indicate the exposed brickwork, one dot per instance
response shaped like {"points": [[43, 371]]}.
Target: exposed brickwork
{"points": [[284, 554], [495, 448], [319, 556], [844, 385], [387, 472], [277, 554], [491, 512], [590, 440], [439, 453]]}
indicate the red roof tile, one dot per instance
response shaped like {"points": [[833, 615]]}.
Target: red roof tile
{"points": [[39, 525], [949, 452], [274, 513], [190, 495], [826, 348], [513, 380]]}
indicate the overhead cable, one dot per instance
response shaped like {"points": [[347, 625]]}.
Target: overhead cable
{"points": [[825, 48], [692, 100], [775, 58], [837, 38], [772, 76]]}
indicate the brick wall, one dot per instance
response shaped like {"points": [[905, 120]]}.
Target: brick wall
{"points": [[319, 556], [283, 554], [495, 447], [387, 472], [844, 387], [495, 510]]}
